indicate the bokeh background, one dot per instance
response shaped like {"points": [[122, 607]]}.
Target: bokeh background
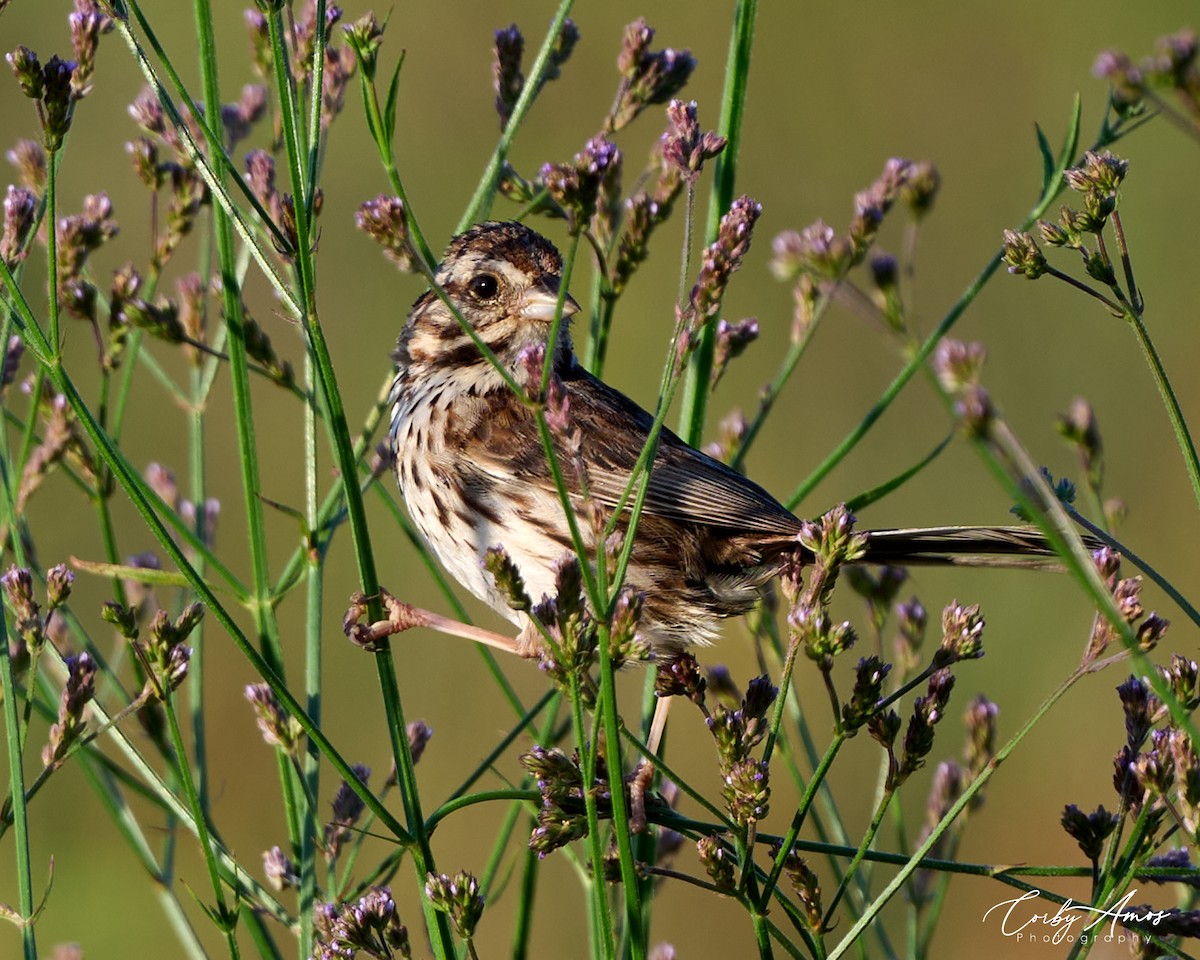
{"points": [[835, 90]]}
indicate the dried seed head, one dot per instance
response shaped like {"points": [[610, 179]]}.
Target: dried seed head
{"points": [[87, 23], [647, 76], [58, 98], [1023, 255], [576, 186], [981, 734], [347, 808], [457, 896], [507, 78], [30, 160], [721, 259], [962, 634], [59, 581], [365, 37], [747, 791], [718, 861], [371, 925], [278, 727], [419, 735], [20, 206], [1089, 830], [927, 712], [509, 581], [384, 220], [816, 251], [920, 188], [680, 676], [28, 71], [869, 676], [78, 691], [684, 145], [1138, 705]]}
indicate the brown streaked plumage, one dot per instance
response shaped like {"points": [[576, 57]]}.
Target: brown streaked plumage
{"points": [[472, 470]]}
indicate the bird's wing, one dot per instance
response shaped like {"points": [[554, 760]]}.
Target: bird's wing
{"points": [[498, 446], [685, 485]]}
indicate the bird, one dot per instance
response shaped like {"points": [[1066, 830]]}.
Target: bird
{"points": [[472, 469]]}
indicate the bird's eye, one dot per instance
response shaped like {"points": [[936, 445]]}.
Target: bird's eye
{"points": [[484, 287]]}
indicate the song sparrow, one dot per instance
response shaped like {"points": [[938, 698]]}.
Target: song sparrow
{"points": [[473, 472]]}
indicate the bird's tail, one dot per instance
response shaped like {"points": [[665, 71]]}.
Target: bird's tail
{"points": [[966, 546]]}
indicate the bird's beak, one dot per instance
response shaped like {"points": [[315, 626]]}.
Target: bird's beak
{"points": [[541, 303]]}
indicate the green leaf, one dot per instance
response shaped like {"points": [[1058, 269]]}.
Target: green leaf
{"points": [[1071, 144], [147, 575], [389, 109], [1048, 162], [364, 86]]}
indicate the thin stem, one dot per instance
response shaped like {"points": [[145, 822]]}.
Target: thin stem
{"points": [[1054, 186], [636, 931], [810, 792], [52, 251], [956, 808], [1126, 553], [238, 367], [733, 106], [200, 822], [485, 191], [1182, 435], [771, 391], [16, 782], [1135, 297], [1066, 278], [863, 847], [598, 896]]}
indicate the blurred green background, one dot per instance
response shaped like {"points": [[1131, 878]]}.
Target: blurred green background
{"points": [[835, 89]]}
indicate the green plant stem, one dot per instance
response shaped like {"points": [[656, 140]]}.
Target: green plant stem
{"points": [[155, 789], [785, 688], [733, 106], [1017, 468], [386, 156], [497, 751], [196, 665], [485, 190], [16, 783], [52, 252], [109, 792], [1182, 435], [1135, 297], [1127, 554], [314, 607], [1052, 187], [335, 422], [810, 792], [603, 921], [863, 847], [956, 808], [636, 930], [220, 195], [771, 392], [262, 608], [312, 130], [226, 918], [140, 498], [529, 866], [762, 938], [444, 585]]}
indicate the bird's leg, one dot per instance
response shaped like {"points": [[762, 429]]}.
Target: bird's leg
{"points": [[645, 769], [404, 616], [456, 628]]}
